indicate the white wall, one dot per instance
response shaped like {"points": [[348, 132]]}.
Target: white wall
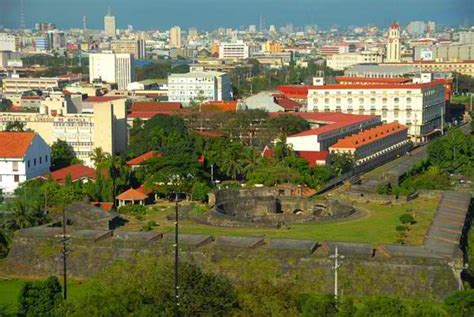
{"points": [[304, 143]]}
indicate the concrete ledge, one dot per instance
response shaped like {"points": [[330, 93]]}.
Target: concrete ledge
{"points": [[239, 242], [306, 246]]}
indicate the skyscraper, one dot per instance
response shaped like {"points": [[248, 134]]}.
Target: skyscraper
{"points": [[110, 29], [393, 44], [111, 68], [175, 36]]}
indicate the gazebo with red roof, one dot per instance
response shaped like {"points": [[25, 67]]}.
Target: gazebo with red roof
{"points": [[139, 196]]}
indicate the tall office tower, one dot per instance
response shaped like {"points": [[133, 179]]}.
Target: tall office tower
{"points": [[8, 42], [111, 68], [175, 36], [193, 34], [110, 28], [393, 44]]}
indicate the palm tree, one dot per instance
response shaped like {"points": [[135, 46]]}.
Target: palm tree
{"points": [[251, 161], [23, 215], [4, 243], [98, 156], [232, 163]]}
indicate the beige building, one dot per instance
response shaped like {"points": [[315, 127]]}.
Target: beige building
{"points": [[175, 36], [129, 46], [464, 67], [19, 85], [345, 60], [110, 28], [83, 124]]}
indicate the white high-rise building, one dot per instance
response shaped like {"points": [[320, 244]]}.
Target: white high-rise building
{"points": [[175, 37], [110, 26], [7, 42], [234, 50], [393, 44], [199, 85], [111, 68]]}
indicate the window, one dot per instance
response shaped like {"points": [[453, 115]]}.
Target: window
{"points": [[46, 158], [396, 99], [15, 166], [28, 163], [16, 178], [34, 161], [41, 160]]}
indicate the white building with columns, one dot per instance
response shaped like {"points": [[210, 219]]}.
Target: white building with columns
{"points": [[419, 106]]}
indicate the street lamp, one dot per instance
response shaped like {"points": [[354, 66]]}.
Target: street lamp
{"points": [[64, 239], [336, 266]]}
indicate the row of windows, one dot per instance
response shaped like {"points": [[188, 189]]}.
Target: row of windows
{"points": [[362, 100], [35, 161], [361, 92]]}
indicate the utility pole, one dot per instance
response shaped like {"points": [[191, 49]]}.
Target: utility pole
{"points": [[336, 256], [176, 258], [64, 239]]}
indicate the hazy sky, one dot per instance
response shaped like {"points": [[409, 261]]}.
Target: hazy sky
{"points": [[207, 14]]}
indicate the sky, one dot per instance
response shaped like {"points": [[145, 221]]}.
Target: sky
{"points": [[210, 14]]}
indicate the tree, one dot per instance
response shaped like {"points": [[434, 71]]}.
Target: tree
{"points": [[98, 156], [311, 305], [342, 162], [287, 124], [62, 154], [5, 240], [146, 288], [232, 162], [15, 126], [40, 298], [199, 191], [382, 306]]}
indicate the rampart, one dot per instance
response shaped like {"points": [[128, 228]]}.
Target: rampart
{"points": [[432, 269]]}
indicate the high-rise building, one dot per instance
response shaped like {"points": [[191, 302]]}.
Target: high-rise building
{"points": [[193, 34], [110, 28], [56, 39], [175, 36], [129, 46], [466, 37], [45, 26], [111, 68], [7, 42], [393, 44], [41, 44]]}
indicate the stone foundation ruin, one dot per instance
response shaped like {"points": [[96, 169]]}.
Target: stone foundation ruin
{"points": [[265, 206]]}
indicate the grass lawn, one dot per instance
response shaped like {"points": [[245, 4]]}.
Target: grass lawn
{"points": [[376, 227], [10, 290], [461, 99]]}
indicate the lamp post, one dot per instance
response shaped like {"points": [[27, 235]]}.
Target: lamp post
{"points": [[336, 256], [176, 257], [64, 239]]}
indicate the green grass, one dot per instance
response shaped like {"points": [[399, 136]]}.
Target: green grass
{"points": [[376, 227], [460, 99], [10, 290]]}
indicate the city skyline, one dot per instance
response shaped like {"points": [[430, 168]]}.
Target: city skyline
{"points": [[164, 14]]}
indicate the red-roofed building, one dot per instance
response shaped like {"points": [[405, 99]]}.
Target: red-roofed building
{"points": [[267, 152], [320, 158], [103, 205], [76, 172], [23, 156], [375, 145], [210, 134], [146, 110], [139, 160], [328, 128], [138, 196]]}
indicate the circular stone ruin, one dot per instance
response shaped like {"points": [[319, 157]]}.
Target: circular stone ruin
{"points": [[269, 206]]}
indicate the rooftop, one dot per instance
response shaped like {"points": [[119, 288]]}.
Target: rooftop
{"points": [[224, 106], [99, 99], [141, 193], [312, 157], [75, 172], [369, 136], [15, 144], [142, 158], [158, 107], [331, 120]]}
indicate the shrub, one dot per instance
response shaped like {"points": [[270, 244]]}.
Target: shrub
{"points": [[149, 225], [407, 219], [199, 191], [132, 209]]}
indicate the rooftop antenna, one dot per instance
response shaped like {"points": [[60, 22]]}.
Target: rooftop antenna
{"points": [[109, 13], [22, 15]]}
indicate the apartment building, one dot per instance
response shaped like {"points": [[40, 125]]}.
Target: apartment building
{"points": [[111, 68], [199, 85], [83, 124], [175, 37], [8, 42], [374, 146], [234, 50], [419, 106], [461, 67], [23, 156]]}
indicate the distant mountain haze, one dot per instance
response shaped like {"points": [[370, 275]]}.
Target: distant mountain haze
{"points": [[210, 14]]}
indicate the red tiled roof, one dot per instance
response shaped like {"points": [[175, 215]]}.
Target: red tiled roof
{"points": [[31, 97], [99, 99], [76, 172], [147, 114], [142, 158], [150, 106], [103, 205], [224, 106], [141, 193], [332, 121], [267, 152], [210, 134], [15, 144], [286, 103], [394, 25], [312, 157], [368, 136]]}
